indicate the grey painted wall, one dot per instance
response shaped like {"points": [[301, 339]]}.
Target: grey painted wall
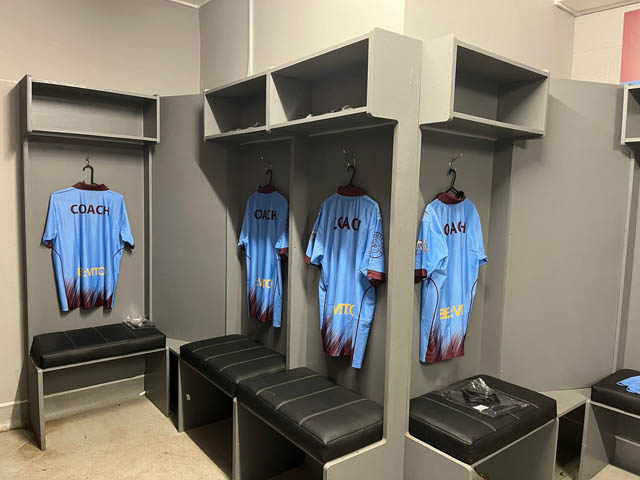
{"points": [[474, 177], [566, 238], [53, 165], [188, 212]]}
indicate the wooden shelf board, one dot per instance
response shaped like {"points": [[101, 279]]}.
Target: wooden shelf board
{"points": [[568, 400], [237, 136], [480, 127], [112, 137], [249, 86], [354, 118], [632, 140], [47, 85]]}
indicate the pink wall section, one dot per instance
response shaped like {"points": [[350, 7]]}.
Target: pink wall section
{"points": [[630, 70]]}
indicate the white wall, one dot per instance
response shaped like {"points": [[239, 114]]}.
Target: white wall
{"points": [[531, 31], [224, 42], [288, 29], [597, 48], [131, 45]]}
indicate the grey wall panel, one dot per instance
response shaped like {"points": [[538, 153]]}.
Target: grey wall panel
{"points": [[188, 226], [474, 178], [567, 228], [246, 173], [53, 165], [327, 169], [628, 351]]}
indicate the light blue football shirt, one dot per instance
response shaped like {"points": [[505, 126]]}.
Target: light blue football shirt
{"points": [[449, 253], [347, 242], [87, 229], [264, 237]]}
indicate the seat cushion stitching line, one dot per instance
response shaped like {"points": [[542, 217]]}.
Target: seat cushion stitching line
{"points": [[350, 433], [308, 417], [284, 402], [103, 337], [247, 361], [229, 353], [461, 413], [218, 344], [70, 339], [284, 383]]}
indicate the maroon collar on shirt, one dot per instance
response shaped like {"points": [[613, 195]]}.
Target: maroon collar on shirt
{"points": [[351, 191], [86, 186], [449, 199], [267, 189]]}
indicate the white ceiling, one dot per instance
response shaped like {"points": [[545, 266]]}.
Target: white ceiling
{"points": [[582, 7], [189, 3]]}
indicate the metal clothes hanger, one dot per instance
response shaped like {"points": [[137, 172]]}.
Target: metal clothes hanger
{"points": [[351, 166], [88, 165], [452, 172], [268, 170]]}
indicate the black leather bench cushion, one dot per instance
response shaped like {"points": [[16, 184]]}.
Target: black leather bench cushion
{"points": [[470, 436], [324, 419], [232, 359], [608, 391], [85, 344]]}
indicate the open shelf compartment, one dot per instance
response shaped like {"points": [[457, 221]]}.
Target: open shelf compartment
{"points": [[60, 110], [237, 111], [631, 116], [473, 92], [325, 92]]}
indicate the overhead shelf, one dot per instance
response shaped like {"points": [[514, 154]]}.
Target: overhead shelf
{"points": [[69, 111], [351, 119], [473, 92], [479, 127], [631, 116], [357, 84], [237, 112]]}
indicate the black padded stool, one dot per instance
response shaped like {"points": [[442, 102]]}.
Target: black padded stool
{"points": [[322, 418], [86, 344], [227, 361], [608, 392], [470, 436]]}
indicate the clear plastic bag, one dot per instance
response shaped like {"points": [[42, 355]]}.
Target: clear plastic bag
{"points": [[137, 321], [478, 396]]}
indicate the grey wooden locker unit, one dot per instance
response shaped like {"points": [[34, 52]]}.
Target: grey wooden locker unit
{"points": [[61, 125], [486, 101], [380, 78], [631, 116], [471, 91]]}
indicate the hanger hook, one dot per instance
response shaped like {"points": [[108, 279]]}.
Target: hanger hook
{"points": [[87, 164], [453, 160]]}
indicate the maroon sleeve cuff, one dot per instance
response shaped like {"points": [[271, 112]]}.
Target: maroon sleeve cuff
{"points": [[130, 245], [420, 275], [376, 278], [307, 259], [284, 251], [48, 243]]}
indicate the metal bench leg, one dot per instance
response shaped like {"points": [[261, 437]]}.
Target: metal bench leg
{"points": [[199, 401], [36, 403], [156, 379], [258, 450]]}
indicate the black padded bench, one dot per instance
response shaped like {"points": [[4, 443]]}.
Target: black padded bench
{"points": [[74, 348], [470, 436], [612, 427], [224, 362], [325, 420], [608, 392]]}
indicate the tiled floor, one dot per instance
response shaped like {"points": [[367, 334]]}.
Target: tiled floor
{"points": [[135, 441]]}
